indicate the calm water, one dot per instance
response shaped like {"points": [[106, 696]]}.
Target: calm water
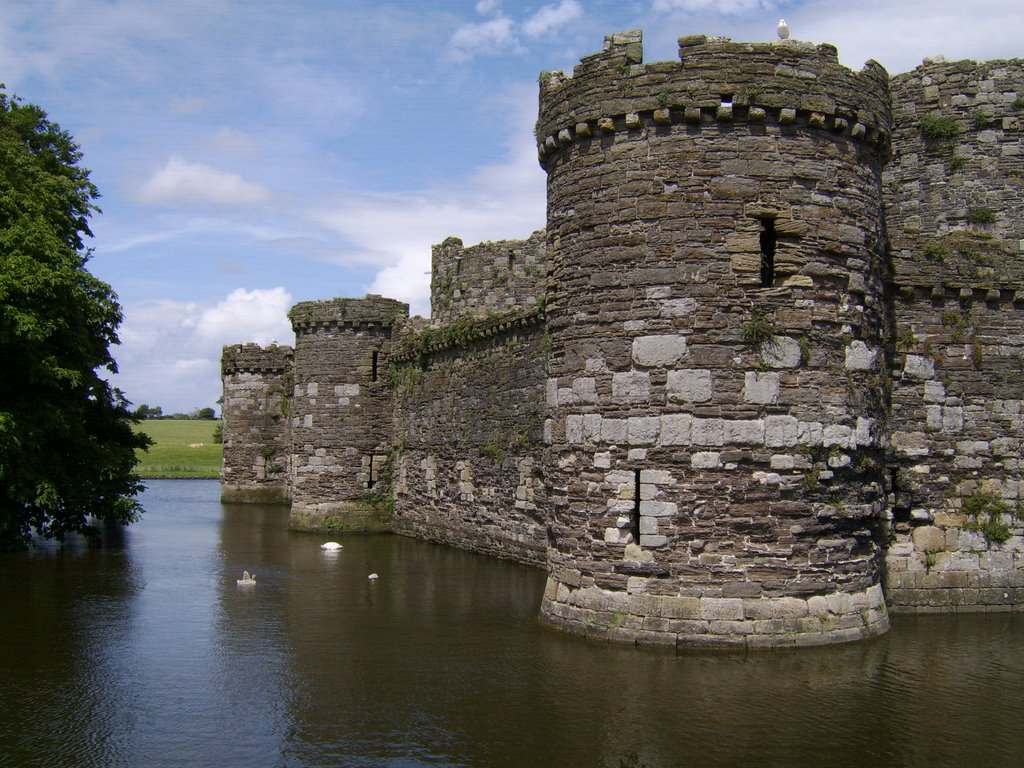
{"points": [[146, 653]]}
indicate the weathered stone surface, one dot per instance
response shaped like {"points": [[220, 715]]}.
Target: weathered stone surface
{"points": [[689, 386], [658, 351], [761, 388], [776, 419]]}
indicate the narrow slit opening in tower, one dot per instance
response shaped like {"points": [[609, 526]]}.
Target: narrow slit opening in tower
{"points": [[371, 476], [634, 523], [374, 360], [511, 260], [768, 242]]}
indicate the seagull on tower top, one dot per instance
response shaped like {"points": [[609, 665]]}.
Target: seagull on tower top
{"points": [[783, 30]]}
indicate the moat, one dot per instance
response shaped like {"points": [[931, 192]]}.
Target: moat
{"points": [[145, 652]]}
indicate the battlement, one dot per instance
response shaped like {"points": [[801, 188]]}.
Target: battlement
{"points": [[373, 311], [716, 83], [955, 205], [252, 358], [501, 276]]}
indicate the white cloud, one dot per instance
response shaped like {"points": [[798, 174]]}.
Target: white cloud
{"points": [[394, 232], [551, 16], [900, 34], [186, 184], [170, 350], [725, 7], [485, 7], [470, 39]]}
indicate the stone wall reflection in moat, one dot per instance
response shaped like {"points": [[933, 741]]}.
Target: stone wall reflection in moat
{"points": [[146, 652]]}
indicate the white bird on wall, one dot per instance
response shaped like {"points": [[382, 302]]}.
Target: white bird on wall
{"points": [[373, 577], [783, 30], [247, 580]]}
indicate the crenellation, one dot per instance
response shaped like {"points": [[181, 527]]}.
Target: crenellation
{"points": [[756, 384], [490, 278]]}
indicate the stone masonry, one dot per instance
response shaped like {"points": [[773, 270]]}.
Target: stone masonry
{"points": [[757, 385], [955, 209], [256, 436], [340, 409]]}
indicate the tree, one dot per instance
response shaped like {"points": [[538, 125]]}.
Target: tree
{"points": [[144, 412], [67, 448], [206, 414]]}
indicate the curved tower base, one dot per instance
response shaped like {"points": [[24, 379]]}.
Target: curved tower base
{"points": [[716, 622]]}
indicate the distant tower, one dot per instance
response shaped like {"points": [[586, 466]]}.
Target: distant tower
{"points": [[718, 384], [340, 409], [256, 385]]}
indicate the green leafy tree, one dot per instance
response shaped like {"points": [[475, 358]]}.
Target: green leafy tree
{"points": [[144, 412], [67, 448]]}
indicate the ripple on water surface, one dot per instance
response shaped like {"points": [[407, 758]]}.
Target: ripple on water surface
{"points": [[145, 652]]}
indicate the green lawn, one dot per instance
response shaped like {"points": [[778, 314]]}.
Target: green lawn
{"points": [[181, 448]]}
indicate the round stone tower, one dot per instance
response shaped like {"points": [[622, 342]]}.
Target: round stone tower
{"points": [[340, 410], [718, 383]]}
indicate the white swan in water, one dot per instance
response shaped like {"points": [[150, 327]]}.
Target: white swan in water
{"points": [[331, 546], [373, 577], [247, 580]]}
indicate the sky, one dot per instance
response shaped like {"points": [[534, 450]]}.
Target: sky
{"points": [[255, 154]]}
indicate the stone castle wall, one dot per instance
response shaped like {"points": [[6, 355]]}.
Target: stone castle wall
{"points": [[468, 467], [760, 376], [256, 382], [955, 210], [487, 279]]}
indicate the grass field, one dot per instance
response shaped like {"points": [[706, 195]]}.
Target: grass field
{"points": [[182, 448]]}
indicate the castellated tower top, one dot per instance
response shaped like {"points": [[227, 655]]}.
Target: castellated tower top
{"points": [[789, 83], [373, 310], [252, 358]]}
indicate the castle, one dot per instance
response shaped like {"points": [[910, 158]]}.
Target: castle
{"points": [[758, 384]]}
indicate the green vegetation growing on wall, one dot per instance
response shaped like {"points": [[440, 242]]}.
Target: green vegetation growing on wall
{"points": [[986, 514], [981, 215], [492, 451], [759, 330], [939, 127], [419, 345]]}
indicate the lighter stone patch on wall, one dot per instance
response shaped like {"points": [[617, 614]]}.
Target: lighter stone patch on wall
{"points": [[919, 367], [860, 357], [761, 388], [658, 351], [782, 352], [689, 386], [631, 387]]}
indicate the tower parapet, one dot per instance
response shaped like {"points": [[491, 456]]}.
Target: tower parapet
{"points": [[340, 410], [786, 85], [489, 278], [256, 385], [716, 377]]}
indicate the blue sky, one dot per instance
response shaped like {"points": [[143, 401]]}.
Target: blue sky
{"points": [[254, 154]]}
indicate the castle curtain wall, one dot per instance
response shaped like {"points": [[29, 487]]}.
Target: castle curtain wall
{"points": [[955, 213]]}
